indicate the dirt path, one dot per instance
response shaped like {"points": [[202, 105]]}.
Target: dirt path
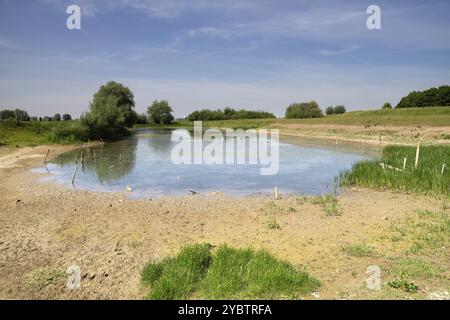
{"points": [[45, 228]]}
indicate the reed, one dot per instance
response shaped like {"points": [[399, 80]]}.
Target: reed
{"points": [[428, 178]]}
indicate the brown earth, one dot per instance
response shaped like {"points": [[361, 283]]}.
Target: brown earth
{"points": [[45, 228]]}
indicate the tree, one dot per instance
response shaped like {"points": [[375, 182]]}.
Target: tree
{"points": [[67, 117], [57, 117], [329, 110], [7, 114], [21, 115], [387, 105], [105, 118], [304, 110], [124, 98], [339, 109], [434, 97], [160, 112]]}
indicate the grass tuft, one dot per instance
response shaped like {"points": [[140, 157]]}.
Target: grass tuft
{"points": [[227, 274], [359, 250]]}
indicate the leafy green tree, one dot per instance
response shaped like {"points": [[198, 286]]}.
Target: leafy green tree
{"points": [[160, 112], [105, 118], [57, 117], [7, 114], [339, 109], [67, 117], [387, 105], [124, 98], [434, 97], [304, 110], [329, 110]]}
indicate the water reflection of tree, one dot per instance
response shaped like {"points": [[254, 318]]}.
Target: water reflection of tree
{"points": [[111, 162]]}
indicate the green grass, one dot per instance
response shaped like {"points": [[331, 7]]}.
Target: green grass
{"points": [[226, 273], [433, 116], [403, 285], [359, 250], [33, 133], [329, 204], [426, 179]]}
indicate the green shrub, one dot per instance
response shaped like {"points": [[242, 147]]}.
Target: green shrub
{"points": [[339, 109], [387, 105], [69, 132], [329, 110], [303, 110]]}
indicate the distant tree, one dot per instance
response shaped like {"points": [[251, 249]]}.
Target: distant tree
{"points": [[227, 114], [67, 117], [434, 97], [329, 110], [304, 110], [141, 119], [40, 119], [387, 105], [160, 112], [34, 119], [124, 98], [57, 117], [339, 109], [21, 115], [47, 118], [7, 114]]}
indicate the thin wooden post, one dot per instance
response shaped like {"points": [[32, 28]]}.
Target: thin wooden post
{"points": [[76, 158], [46, 156], [81, 160], [442, 170], [120, 157], [417, 155], [404, 164], [380, 137], [275, 190], [94, 155], [74, 174]]}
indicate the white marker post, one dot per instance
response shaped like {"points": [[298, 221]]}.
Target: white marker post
{"points": [[417, 155]]}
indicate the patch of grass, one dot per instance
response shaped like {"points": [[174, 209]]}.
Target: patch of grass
{"points": [[42, 277], [227, 274], [359, 250], [426, 179], [273, 225], [403, 285], [329, 204], [414, 267], [178, 277]]}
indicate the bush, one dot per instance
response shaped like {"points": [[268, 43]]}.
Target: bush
{"points": [[339, 109], [329, 110], [57, 117], [160, 112], [387, 105], [69, 133], [228, 114], [304, 110], [428, 98], [67, 117]]}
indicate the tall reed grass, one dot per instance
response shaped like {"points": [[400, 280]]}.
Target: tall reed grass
{"points": [[425, 179]]}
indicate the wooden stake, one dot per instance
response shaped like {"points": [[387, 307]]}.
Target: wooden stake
{"points": [[74, 174], [276, 192], [404, 164], [46, 156], [417, 155], [442, 170], [380, 137], [120, 157], [76, 158], [82, 161]]}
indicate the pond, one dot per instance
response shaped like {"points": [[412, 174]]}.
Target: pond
{"points": [[142, 164]]}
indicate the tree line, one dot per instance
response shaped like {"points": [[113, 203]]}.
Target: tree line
{"points": [[228, 114], [19, 115]]}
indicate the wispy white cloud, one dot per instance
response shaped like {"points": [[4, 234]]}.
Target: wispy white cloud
{"points": [[6, 44], [339, 51]]}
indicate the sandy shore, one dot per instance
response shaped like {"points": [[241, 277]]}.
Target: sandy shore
{"points": [[45, 228]]}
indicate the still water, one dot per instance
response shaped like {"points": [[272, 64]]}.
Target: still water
{"points": [[143, 162]]}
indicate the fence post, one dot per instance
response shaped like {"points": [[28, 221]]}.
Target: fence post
{"points": [[417, 154], [404, 164]]}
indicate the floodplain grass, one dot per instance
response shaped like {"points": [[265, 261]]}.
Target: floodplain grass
{"points": [[427, 178], [226, 273]]}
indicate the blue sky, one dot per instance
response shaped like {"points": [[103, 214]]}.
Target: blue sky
{"points": [[257, 54]]}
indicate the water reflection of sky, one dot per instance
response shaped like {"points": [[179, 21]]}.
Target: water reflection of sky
{"points": [[144, 162]]}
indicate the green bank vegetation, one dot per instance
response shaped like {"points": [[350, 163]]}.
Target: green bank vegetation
{"points": [[428, 178], [225, 273]]}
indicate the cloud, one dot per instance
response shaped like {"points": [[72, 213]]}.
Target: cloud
{"points": [[6, 44], [339, 51]]}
